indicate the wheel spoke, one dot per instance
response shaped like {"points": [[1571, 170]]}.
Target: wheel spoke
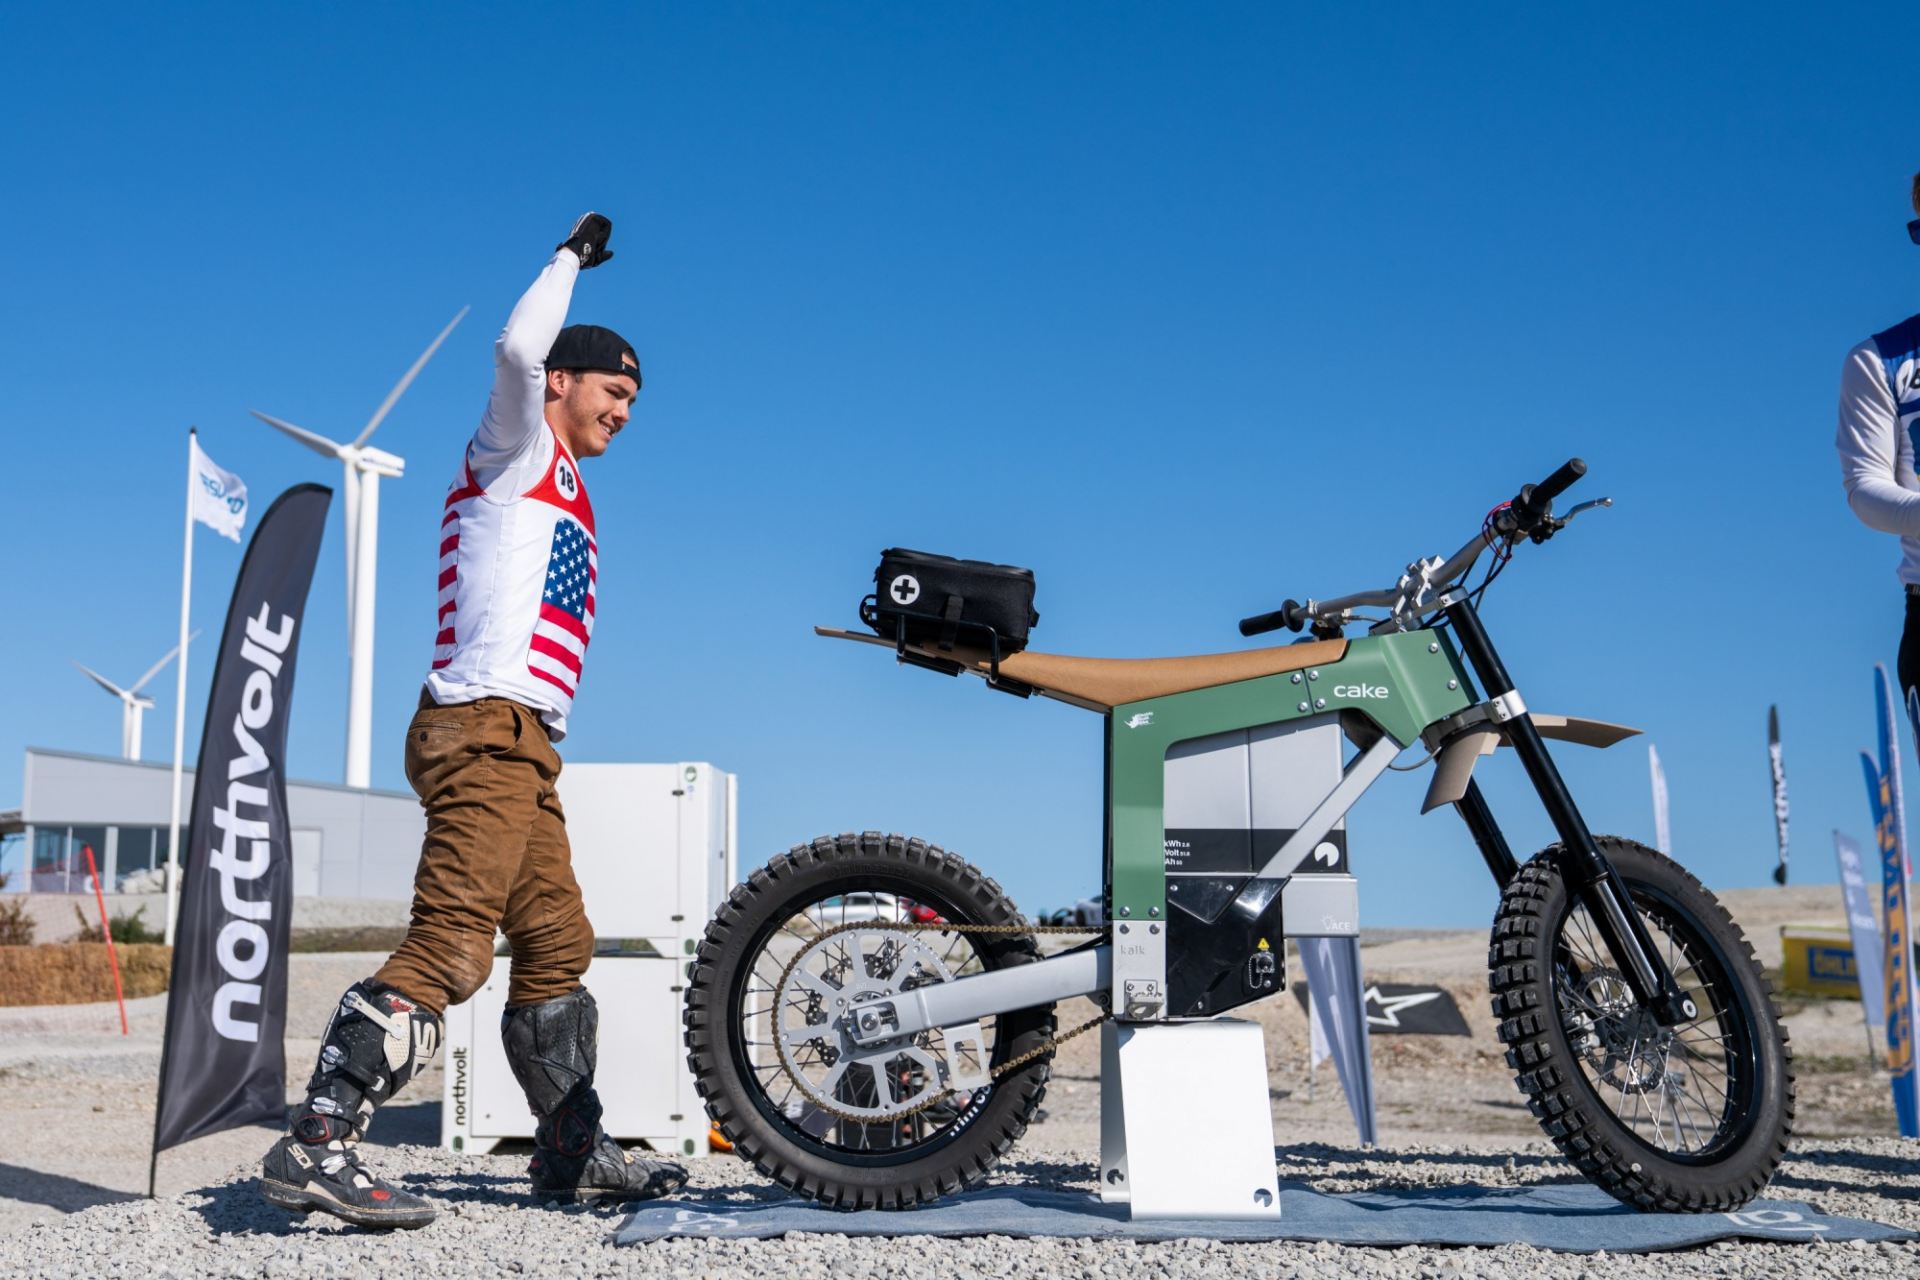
{"points": [[1707, 1114], [959, 940], [1595, 952], [1692, 1036], [1681, 1106], [818, 985], [1640, 1092], [826, 1084], [1670, 1093], [1716, 1088]]}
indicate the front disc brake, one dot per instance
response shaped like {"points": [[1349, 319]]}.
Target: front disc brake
{"points": [[1625, 1047]]}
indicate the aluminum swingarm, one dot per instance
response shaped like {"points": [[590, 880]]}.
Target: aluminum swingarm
{"points": [[876, 1021], [1087, 971]]}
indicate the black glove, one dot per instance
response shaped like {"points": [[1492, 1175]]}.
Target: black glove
{"points": [[588, 240]]}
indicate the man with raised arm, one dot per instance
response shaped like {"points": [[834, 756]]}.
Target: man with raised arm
{"points": [[1879, 418], [519, 567]]}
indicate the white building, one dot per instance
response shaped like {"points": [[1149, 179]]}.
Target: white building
{"points": [[347, 842]]}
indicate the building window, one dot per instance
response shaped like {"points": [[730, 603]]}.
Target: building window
{"points": [[140, 849], [13, 860], [135, 851], [49, 874], [59, 866], [94, 838]]}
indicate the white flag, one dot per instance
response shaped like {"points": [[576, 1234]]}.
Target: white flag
{"points": [[1662, 838], [1318, 1049], [219, 497]]}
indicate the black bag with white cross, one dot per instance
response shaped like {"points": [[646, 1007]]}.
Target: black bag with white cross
{"points": [[937, 600]]}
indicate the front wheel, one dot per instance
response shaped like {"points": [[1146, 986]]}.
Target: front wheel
{"points": [[1692, 1118]]}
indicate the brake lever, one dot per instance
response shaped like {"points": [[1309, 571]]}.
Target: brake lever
{"points": [[1554, 524]]}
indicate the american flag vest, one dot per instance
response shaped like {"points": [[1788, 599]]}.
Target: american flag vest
{"points": [[517, 577]]}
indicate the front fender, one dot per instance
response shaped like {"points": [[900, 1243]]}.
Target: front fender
{"points": [[1453, 765]]}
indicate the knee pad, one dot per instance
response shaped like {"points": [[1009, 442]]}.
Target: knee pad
{"points": [[552, 1047], [376, 1041]]}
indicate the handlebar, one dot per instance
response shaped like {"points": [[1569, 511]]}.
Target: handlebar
{"points": [[1530, 513]]}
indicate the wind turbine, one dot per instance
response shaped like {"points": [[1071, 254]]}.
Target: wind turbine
{"points": [[364, 465], [132, 703]]}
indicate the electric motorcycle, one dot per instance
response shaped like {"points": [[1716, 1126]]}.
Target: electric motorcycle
{"points": [[873, 1056]]}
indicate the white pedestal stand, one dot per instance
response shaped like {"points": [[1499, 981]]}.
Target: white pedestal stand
{"points": [[1186, 1128]]}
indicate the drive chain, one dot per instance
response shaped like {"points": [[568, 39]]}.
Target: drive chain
{"points": [[1012, 1064]]}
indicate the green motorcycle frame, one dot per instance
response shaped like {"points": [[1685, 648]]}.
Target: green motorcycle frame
{"points": [[1228, 782]]}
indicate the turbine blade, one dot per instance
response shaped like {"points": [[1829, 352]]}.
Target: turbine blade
{"points": [[103, 682], [312, 439], [156, 668], [406, 380]]}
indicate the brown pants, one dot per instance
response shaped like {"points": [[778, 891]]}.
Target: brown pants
{"points": [[495, 857]]}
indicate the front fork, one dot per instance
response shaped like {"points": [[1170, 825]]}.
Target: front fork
{"points": [[1595, 880]]}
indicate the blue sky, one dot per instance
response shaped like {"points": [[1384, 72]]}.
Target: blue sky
{"points": [[1189, 308]]}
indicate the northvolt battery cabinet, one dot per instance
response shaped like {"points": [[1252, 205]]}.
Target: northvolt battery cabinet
{"points": [[653, 850]]}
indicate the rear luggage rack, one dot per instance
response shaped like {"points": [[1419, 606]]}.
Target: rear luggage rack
{"points": [[951, 629]]}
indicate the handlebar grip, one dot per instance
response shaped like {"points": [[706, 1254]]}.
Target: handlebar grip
{"points": [[1289, 616], [1531, 505], [1559, 482]]}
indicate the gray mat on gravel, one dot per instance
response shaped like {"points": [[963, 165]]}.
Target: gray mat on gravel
{"points": [[1568, 1219]]}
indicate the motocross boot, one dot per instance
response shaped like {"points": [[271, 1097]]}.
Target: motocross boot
{"points": [[552, 1047], [375, 1042]]}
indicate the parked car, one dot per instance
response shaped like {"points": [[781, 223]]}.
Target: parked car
{"points": [[856, 908]]}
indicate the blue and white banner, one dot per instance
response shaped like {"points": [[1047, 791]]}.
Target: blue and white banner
{"points": [[1332, 969], [1890, 837], [219, 496], [1777, 768], [1865, 927], [1662, 830]]}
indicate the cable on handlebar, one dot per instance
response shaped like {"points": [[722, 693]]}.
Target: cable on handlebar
{"points": [[1489, 530]]}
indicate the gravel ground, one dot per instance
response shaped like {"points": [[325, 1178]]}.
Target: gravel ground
{"points": [[78, 1109], [488, 1227]]}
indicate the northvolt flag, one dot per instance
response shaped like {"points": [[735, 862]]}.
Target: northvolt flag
{"points": [[221, 1063]]}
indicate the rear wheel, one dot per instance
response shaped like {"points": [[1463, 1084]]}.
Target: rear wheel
{"points": [[1689, 1119], [819, 930]]}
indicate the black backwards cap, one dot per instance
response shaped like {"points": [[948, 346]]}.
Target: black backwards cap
{"points": [[590, 346]]}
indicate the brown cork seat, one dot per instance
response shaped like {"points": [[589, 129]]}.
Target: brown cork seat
{"points": [[1101, 684]]}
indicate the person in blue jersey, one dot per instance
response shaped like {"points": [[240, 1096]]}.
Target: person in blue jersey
{"points": [[1879, 420]]}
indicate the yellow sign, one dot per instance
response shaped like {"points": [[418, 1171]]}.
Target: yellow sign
{"points": [[1818, 961]]}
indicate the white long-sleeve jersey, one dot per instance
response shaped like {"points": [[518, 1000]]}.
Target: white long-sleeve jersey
{"points": [[518, 560], [1879, 416]]}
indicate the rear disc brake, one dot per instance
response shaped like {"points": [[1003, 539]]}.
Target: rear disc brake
{"points": [[841, 982]]}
